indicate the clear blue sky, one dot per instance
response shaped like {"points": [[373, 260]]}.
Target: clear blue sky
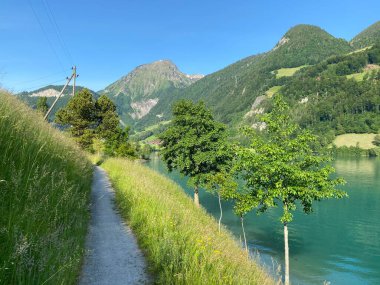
{"points": [[107, 39]]}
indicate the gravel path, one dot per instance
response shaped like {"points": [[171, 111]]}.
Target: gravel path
{"points": [[113, 256]]}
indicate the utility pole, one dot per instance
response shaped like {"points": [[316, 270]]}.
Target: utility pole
{"points": [[74, 68], [60, 94]]}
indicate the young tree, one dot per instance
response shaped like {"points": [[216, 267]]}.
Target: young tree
{"points": [[42, 105], [80, 115], [193, 142], [281, 167]]}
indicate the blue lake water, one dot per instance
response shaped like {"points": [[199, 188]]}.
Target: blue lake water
{"points": [[338, 243]]}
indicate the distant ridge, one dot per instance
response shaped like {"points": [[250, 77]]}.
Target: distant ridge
{"points": [[368, 37]]}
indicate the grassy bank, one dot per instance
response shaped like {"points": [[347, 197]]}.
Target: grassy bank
{"points": [[44, 195], [182, 242]]}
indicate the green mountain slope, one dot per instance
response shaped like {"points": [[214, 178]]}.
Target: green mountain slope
{"points": [[231, 91], [141, 89], [337, 101], [368, 37]]}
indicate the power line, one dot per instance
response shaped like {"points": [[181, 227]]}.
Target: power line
{"points": [[46, 35], [61, 40], [44, 85]]}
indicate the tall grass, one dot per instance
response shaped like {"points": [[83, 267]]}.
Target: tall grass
{"points": [[44, 195], [181, 241]]}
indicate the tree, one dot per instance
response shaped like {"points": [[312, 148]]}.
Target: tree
{"points": [[193, 142], [88, 119], [280, 166], [109, 130], [376, 140], [42, 105], [81, 117]]}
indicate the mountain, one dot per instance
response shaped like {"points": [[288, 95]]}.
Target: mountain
{"points": [[51, 92], [140, 90], [368, 37], [231, 91]]}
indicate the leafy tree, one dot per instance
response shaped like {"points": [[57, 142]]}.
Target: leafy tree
{"points": [[108, 120], [108, 129], [42, 105], [88, 119], [80, 115], [193, 142], [376, 140], [280, 167]]}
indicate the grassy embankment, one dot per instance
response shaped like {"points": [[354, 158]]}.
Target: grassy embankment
{"points": [[181, 241], [355, 145], [284, 72], [360, 76], [44, 195]]}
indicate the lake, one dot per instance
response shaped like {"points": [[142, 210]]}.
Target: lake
{"points": [[338, 243]]}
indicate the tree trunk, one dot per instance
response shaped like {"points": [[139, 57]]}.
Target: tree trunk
{"points": [[286, 254], [221, 212], [196, 196], [245, 239]]}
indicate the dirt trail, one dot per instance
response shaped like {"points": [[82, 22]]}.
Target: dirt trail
{"points": [[112, 256]]}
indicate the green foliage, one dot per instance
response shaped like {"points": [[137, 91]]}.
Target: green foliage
{"points": [[42, 106], [376, 140], [45, 184], [282, 167], [194, 142], [80, 116], [182, 242], [89, 119], [335, 102]]}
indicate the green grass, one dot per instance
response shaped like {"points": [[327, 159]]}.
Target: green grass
{"points": [[364, 140], [282, 72], [181, 241], [360, 76], [357, 76], [273, 90], [359, 50], [154, 127], [44, 197]]}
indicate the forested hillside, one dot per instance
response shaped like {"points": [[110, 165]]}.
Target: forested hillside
{"points": [[368, 37], [339, 95]]}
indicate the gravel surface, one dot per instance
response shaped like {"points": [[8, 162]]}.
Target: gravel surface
{"points": [[112, 256]]}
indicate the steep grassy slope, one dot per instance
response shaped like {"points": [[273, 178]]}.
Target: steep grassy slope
{"points": [[44, 195], [368, 37], [231, 91], [182, 241]]}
